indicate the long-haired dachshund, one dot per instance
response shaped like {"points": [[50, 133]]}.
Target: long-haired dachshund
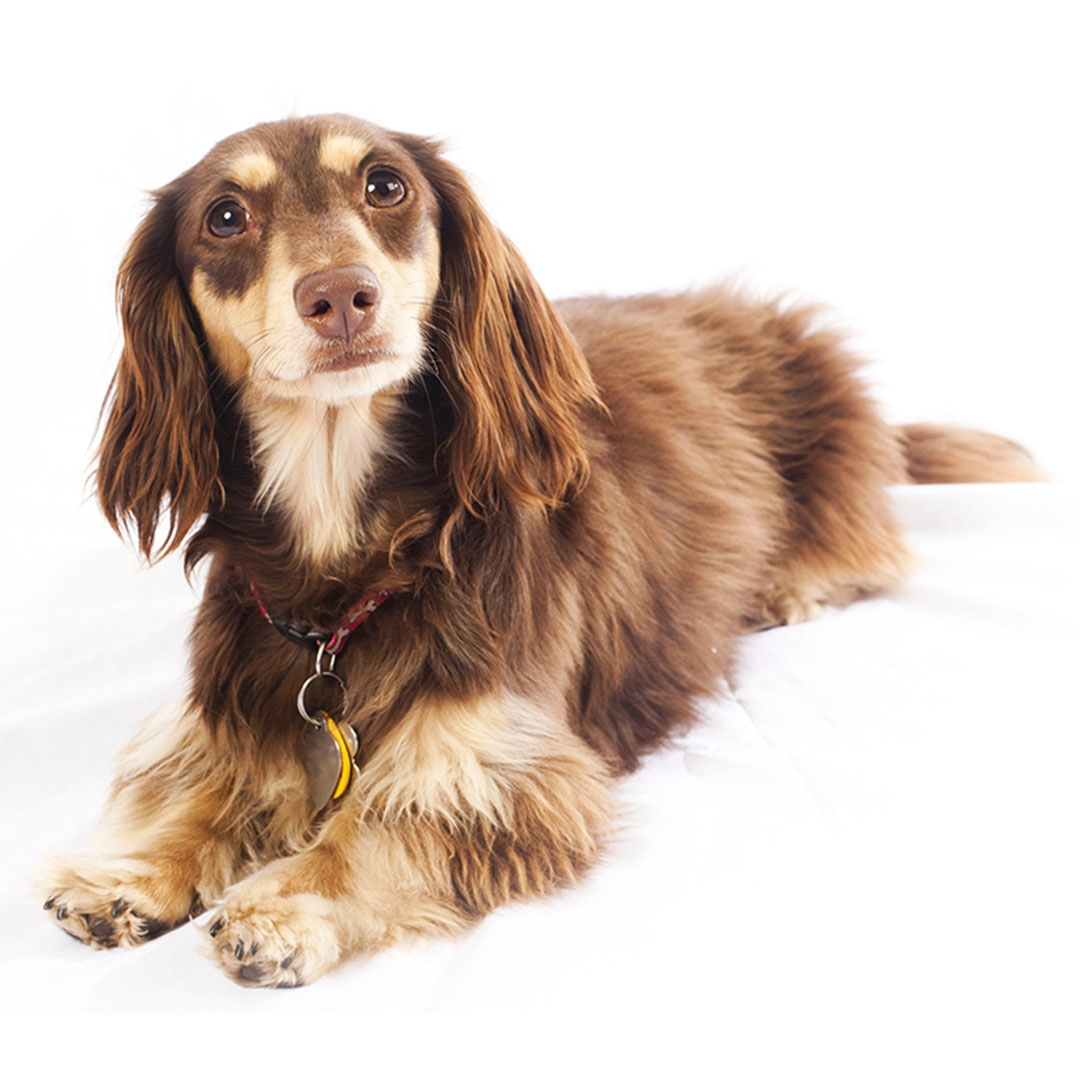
{"points": [[470, 554]]}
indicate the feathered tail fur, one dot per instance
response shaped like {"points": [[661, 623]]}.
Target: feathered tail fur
{"points": [[942, 454]]}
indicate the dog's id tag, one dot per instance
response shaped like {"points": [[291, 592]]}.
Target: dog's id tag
{"points": [[329, 751]]}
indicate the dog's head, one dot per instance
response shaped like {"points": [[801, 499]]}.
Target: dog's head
{"points": [[325, 259]]}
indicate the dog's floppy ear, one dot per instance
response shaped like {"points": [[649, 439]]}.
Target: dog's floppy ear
{"points": [[515, 376], [158, 457]]}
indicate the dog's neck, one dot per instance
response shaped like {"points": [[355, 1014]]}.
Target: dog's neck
{"points": [[315, 460]]}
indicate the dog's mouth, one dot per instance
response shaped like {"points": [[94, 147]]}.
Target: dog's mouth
{"points": [[351, 357]]}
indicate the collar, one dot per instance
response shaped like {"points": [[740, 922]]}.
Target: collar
{"points": [[330, 641]]}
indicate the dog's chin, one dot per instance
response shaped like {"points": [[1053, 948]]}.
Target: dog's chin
{"points": [[343, 377]]}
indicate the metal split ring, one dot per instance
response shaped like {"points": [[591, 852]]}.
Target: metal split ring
{"points": [[303, 690], [318, 660]]}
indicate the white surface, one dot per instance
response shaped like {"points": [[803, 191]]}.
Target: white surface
{"points": [[876, 828], [870, 851]]}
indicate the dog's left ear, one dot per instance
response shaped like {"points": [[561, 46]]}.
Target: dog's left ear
{"points": [[517, 379], [158, 456]]}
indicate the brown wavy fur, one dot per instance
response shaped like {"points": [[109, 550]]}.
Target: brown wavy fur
{"points": [[578, 510]]}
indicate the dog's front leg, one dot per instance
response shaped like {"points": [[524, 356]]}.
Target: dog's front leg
{"points": [[169, 843], [464, 806]]}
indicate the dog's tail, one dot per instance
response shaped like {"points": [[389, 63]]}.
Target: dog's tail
{"points": [[940, 454]]}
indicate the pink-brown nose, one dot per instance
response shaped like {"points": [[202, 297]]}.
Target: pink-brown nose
{"points": [[339, 302]]}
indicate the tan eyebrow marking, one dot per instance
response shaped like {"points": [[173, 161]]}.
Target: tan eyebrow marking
{"points": [[255, 169], [342, 153]]}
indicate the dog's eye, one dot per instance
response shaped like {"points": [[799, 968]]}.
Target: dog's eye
{"points": [[384, 188], [227, 218]]}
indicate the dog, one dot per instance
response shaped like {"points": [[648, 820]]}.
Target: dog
{"points": [[470, 554]]}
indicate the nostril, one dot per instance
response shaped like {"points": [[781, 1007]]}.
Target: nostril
{"points": [[367, 295], [320, 307]]}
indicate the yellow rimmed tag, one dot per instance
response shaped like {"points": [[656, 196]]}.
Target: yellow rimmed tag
{"points": [[329, 749]]}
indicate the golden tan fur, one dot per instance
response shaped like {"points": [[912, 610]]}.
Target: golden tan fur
{"points": [[577, 509]]}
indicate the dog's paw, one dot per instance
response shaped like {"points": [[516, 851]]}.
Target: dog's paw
{"points": [[111, 903], [786, 606], [262, 939]]}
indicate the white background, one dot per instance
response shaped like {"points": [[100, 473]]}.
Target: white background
{"points": [[913, 166]]}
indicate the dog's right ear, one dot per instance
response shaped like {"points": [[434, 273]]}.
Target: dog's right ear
{"points": [[158, 457]]}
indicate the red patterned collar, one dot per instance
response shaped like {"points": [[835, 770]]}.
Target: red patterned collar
{"points": [[331, 641]]}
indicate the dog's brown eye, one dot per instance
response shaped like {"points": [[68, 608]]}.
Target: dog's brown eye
{"points": [[227, 218], [384, 188]]}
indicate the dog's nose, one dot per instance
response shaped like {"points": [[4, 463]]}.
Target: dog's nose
{"points": [[339, 302]]}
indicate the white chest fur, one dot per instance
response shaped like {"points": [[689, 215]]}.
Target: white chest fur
{"points": [[316, 459]]}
